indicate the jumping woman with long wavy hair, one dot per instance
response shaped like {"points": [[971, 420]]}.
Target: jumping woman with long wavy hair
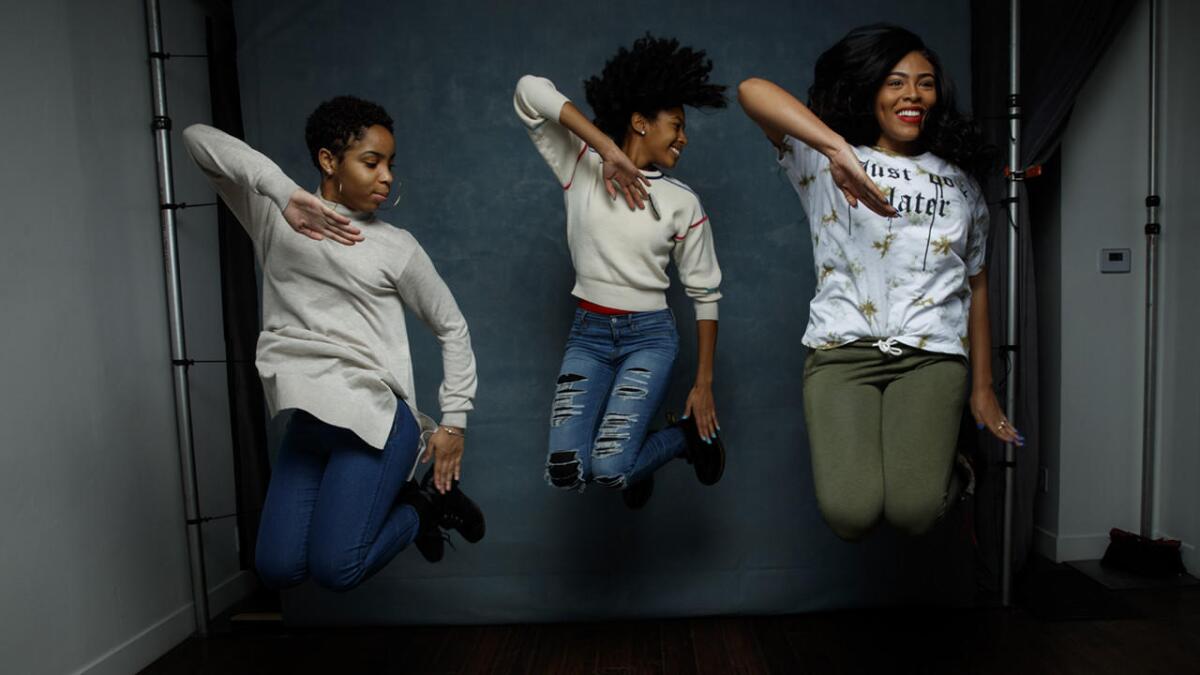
{"points": [[901, 297]]}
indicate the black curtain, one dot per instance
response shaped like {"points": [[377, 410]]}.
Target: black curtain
{"points": [[1061, 43], [239, 298]]}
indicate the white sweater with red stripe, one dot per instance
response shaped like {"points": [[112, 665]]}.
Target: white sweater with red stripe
{"points": [[621, 256]]}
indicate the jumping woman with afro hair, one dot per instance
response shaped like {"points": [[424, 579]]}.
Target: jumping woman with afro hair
{"points": [[901, 298], [334, 349], [626, 220]]}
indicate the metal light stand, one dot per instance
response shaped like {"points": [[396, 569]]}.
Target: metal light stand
{"points": [[179, 363]]}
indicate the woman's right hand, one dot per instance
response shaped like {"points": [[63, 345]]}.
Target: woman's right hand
{"points": [[446, 451], [619, 168], [854, 183], [309, 216]]}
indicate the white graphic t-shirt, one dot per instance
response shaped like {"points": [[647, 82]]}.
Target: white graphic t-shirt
{"points": [[902, 278]]}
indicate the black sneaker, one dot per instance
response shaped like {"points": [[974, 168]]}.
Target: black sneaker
{"points": [[708, 459], [430, 540], [635, 496], [431, 543], [456, 511]]}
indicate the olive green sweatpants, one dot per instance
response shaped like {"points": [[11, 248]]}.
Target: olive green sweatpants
{"points": [[883, 430]]}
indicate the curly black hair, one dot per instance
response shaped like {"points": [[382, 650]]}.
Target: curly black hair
{"points": [[847, 79], [655, 75], [340, 121]]}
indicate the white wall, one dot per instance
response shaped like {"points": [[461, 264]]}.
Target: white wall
{"points": [[94, 566], [1094, 452], [1179, 396]]}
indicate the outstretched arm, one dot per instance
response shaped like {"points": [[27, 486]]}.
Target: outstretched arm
{"points": [[780, 114], [538, 102], [250, 183]]}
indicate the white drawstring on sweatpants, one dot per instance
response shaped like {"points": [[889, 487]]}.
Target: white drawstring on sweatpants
{"points": [[888, 346]]}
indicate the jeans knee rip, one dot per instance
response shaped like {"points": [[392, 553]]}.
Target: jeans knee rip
{"points": [[564, 407], [614, 431], [634, 385], [563, 470], [615, 481]]}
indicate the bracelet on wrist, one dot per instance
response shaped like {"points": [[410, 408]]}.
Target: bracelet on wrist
{"points": [[453, 431]]}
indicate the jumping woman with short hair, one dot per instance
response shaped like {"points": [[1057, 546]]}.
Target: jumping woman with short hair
{"points": [[334, 348]]}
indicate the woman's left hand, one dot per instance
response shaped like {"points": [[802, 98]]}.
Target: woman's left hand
{"points": [[446, 452], [701, 406], [987, 413]]}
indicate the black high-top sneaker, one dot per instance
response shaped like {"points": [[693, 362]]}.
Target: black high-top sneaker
{"points": [[635, 496], [430, 541], [708, 459], [456, 511]]}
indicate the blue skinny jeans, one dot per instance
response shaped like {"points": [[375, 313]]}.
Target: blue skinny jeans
{"points": [[613, 378], [331, 510]]}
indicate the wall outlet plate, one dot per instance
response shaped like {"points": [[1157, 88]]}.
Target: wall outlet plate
{"points": [[1115, 260]]}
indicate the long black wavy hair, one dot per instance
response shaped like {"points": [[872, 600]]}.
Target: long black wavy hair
{"points": [[652, 76], [847, 79]]}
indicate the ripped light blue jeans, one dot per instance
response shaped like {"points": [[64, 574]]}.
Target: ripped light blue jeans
{"points": [[614, 377]]}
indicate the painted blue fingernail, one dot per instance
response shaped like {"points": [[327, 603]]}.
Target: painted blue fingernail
{"points": [[685, 417], [979, 425]]}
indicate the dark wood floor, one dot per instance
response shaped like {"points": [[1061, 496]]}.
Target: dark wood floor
{"points": [[1066, 624]]}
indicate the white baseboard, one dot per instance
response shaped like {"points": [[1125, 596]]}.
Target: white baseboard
{"points": [[1063, 548], [1092, 546], [1045, 543], [229, 592], [159, 638], [1191, 560]]}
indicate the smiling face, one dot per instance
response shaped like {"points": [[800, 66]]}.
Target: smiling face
{"points": [[664, 140], [903, 103], [362, 177]]}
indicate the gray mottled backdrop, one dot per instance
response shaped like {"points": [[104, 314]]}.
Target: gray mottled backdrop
{"points": [[481, 201]]}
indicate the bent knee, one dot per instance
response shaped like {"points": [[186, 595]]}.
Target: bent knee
{"points": [[850, 519], [564, 470], [610, 471], [612, 481], [336, 570], [277, 571], [915, 514]]}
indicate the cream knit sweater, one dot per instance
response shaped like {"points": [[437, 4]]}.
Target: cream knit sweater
{"points": [[334, 341]]}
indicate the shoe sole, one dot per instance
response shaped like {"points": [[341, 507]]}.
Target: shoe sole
{"points": [[482, 531], [637, 505], [482, 521], [720, 468], [431, 555]]}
